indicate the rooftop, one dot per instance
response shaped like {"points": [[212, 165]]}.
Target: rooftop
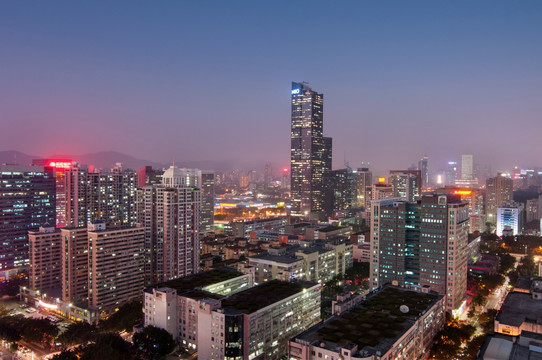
{"points": [[283, 259], [197, 281], [374, 323], [261, 296], [519, 308]]}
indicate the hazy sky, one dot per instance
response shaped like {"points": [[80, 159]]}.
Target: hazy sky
{"points": [[210, 80]]}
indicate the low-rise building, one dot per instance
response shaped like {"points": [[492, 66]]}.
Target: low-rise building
{"points": [[173, 305], [521, 311], [318, 263], [257, 323], [393, 323]]}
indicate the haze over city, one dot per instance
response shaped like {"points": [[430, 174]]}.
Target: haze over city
{"points": [[190, 81]]}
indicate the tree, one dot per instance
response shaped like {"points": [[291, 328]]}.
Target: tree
{"points": [[128, 316], [487, 321], [507, 263], [473, 346], [38, 330], [154, 342], [109, 346], [65, 355], [78, 333]]}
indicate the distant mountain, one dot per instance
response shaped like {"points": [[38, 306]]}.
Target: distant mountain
{"points": [[16, 157], [108, 159]]}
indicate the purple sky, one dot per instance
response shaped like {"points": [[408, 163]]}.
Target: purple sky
{"points": [[203, 80]]}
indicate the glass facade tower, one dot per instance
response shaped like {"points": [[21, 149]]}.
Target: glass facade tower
{"points": [[310, 151]]}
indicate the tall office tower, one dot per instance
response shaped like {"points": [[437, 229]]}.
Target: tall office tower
{"points": [[364, 179], [467, 167], [310, 152], [27, 201], [115, 259], [509, 218], [207, 217], [74, 262], [499, 190], [422, 243], [60, 166], [451, 173], [45, 260], [170, 214], [146, 175], [423, 167], [531, 210], [405, 185], [341, 190], [267, 174], [412, 187]]}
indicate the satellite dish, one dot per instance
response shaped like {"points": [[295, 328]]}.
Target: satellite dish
{"points": [[404, 309]]}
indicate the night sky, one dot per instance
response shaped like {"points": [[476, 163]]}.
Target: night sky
{"points": [[210, 80]]}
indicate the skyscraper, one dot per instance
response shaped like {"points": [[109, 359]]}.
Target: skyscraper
{"points": [[423, 167], [310, 151], [207, 218], [27, 201], [421, 243], [466, 167]]}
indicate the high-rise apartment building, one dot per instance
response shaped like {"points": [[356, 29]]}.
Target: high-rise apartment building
{"points": [[499, 190], [531, 210], [75, 268], [310, 152], [116, 264], [207, 217], [421, 243], [170, 214], [92, 196], [27, 201], [45, 260]]}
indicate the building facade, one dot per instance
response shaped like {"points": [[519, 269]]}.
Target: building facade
{"points": [[45, 260], [423, 243], [257, 323], [27, 201], [310, 152], [509, 218], [116, 266], [499, 190]]}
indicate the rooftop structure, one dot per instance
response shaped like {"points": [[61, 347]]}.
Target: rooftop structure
{"points": [[388, 323], [261, 296]]}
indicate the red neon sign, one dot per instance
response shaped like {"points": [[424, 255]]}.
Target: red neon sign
{"points": [[60, 164]]}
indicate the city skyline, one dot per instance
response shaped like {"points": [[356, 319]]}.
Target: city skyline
{"points": [[431, 79]]}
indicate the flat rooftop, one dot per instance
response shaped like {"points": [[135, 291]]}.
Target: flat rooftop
{"points": [[283, 259], [199, 280], [263, 295], [375, 324], [519, 308]]}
